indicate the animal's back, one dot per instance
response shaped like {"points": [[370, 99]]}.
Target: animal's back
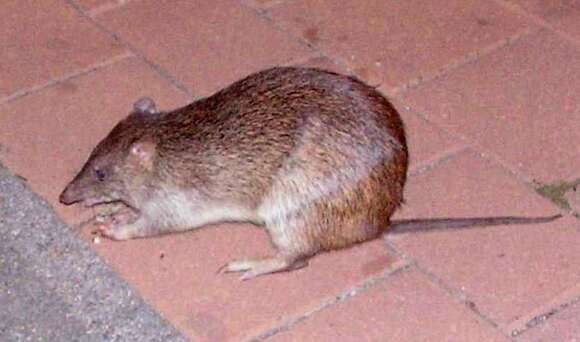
{"points": [[322, 156], [286, 122]]}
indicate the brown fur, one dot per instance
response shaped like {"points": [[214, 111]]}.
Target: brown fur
{"points": [[319, 159]]}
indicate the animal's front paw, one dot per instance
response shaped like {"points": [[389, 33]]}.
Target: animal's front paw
{"points": [[117, 222], [117, 232]]}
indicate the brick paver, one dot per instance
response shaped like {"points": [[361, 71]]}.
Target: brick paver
{"points": [[427, 143], [99, 6], [177, 273], [391, 42], [46, 40], [488, 91], [564, 15], [496, 268], [406, 305], [502, 102], [190, 45], [564, 325]]}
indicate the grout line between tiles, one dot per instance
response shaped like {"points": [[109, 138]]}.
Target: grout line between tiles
{"points": [[157, 68], [307, 58], [272, 3], [437, 160], [539, 316], [542, 318], [467, 59], [265, 15], [361, 287], [66, 77], [526, 180], [538, 20], [455, 294], [392, 91], [483, 153], [107, 7]]}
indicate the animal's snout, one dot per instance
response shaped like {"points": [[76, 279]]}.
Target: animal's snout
{"points": [[67, 197]]}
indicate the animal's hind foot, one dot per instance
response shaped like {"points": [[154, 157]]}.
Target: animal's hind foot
{"points": [[258, 267]]}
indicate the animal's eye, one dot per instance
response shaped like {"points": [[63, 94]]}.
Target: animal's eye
{"points": [[100, 174]]}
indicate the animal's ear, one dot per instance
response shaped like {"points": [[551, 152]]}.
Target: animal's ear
{"points": [[144, 153], [145, 105]]}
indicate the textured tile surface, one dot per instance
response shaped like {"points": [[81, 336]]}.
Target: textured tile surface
{"points": [[563, 15], [178, 275], [519, 103], [99, 5], [390, 43], [43, 40], [497, 268], [323, 63], [205, 45], [426, 142], [562, 326], [405, 307]]}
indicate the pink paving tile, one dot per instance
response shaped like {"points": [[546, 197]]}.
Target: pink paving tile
{"points": [[261, 4], [177, 275], [405, 307], [43, 40], [96, 4], [204, 44], [505, 271], [322, 63], [393, 42], [548, 9], [563, 15], [562, 326], [544, 312], [100, 6], [426, 142], [520, 103], [47, 136]]}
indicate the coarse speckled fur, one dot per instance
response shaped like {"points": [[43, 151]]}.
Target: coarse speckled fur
{"points": [[319, 159]]}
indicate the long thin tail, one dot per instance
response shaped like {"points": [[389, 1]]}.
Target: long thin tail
{"points": [[423, 225]]}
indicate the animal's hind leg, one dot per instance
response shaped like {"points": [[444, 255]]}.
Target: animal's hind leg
{"points": [[256, 267], [293, 251]]}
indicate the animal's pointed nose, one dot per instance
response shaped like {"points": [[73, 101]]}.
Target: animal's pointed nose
{"points": [[66, 197]]}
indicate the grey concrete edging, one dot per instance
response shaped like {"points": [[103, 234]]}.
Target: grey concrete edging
{"points": [[54, 287]]}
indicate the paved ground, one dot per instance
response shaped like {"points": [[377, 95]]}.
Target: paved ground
{"points": [[489, 91], [53, 287]]}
